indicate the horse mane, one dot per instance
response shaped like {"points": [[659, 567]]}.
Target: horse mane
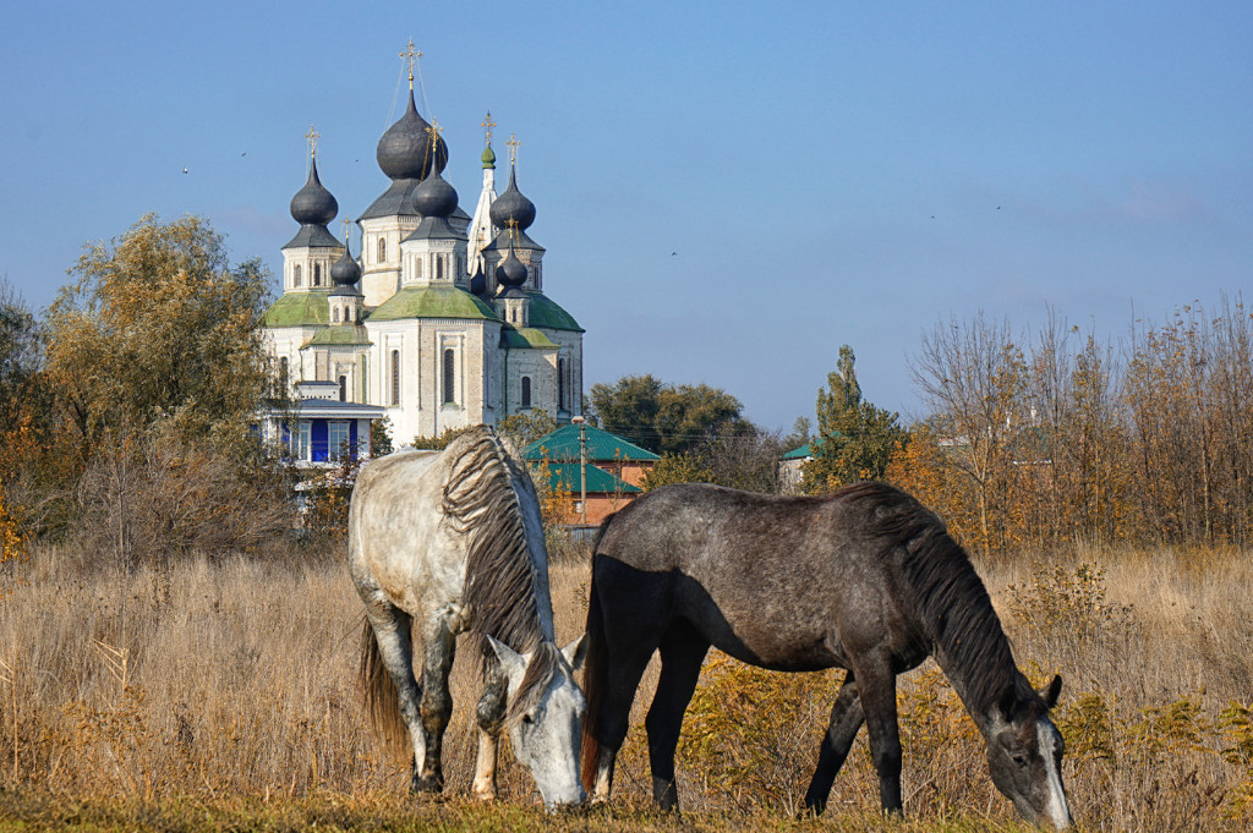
{"points": [[480, 502], [952, 603]]}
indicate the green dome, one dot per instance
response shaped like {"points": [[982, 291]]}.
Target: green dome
{"points": [[489, 157]]}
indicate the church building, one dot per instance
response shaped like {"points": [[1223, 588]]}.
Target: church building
{"points": [[441, 319]]}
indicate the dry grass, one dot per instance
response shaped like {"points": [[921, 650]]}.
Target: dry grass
{"points": [[225, 692]]}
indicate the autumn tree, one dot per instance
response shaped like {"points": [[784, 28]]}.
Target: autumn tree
{"points": [[974, 377], [156, 365], [854, 439], [157, 327]]}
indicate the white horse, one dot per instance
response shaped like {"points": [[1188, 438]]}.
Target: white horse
{"points": [[452, 541]]}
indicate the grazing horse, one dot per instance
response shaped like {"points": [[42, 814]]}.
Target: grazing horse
{"points": [[452, 541], [865, 579]]}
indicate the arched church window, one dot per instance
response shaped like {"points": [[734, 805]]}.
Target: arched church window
{"points": [[439, 267], [343, 388], [417, 267], [382, 250], [561, 383], [395, 359], [335, 315], [450, 367], [295, 275], [526, 391], [282, 376], [317, 274]]}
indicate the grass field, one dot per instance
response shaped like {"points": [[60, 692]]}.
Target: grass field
{"points": [[222, 697]]}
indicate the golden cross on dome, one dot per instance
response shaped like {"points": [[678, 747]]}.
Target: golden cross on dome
{"points": [[347, 229], [411, 57], [513, 230], [312, 138], [513, 144], [488, 124], [434, 130]]}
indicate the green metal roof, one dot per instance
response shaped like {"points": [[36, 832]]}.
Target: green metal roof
{"points": [[433, 302], [562, 445], [340, 334], [799, 453], [565, 477], [542, 311], [526, 338], [298, 309]]}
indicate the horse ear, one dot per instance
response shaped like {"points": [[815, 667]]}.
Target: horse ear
{"points": [[1050, 694], [511, 662], [575, 653]]}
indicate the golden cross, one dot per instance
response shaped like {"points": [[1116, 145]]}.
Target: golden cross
{"points": [[513, 144], [488, 124], [513, 230], [433, 131], [411, 56], [347, 229], [312, 138]]}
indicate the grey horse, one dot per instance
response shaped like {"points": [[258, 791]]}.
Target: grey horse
{"points": [[451, 541], [866, 579]]}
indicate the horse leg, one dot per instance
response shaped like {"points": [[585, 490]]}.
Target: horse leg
{"points": [[682, 651], [623, 677], [436, 708], [846, 719], [491, 716], [877, 686], [392, 633]]}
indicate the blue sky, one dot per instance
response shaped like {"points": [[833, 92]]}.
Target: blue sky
{"points": [[827, 173]]}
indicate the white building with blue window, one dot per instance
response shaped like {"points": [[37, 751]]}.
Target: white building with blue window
{"points": [[320, 430], [442, 322]]}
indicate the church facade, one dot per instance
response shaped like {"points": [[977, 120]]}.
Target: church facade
{"points": [[442, 319]]}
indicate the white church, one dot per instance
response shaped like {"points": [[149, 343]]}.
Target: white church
{"points": [[440, 322]]}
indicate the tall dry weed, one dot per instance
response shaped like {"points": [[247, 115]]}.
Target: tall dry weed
{"points": [[234, 680]]}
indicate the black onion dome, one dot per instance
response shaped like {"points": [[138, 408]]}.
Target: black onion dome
{"points": [[434, 197], [512, 205], [404, 151], [511, 272], [313, 204], [345, 271], [478, 283]]}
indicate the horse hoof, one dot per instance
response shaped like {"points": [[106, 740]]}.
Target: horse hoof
{"points": [[427, 784]]}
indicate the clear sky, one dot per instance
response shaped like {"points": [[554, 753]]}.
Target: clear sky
{"points": [[727, 191]]}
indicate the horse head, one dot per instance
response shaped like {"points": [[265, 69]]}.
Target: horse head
{"points": [[1025, 756], [545, 716]]}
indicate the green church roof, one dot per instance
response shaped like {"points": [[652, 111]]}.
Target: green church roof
{"points": [[340, 334], [544, 312], [562, 445], [525, 338], [565, 477], [298, 309], [433, 302]]}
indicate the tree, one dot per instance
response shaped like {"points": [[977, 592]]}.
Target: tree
{"points": [[159, 327], [676, 468], [975, 379], [855, 438], [629, 408], [527, 427], [665, 418]]}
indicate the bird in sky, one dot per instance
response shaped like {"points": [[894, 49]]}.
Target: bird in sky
{"points": [[184, 170]]}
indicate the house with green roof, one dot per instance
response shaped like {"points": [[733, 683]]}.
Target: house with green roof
{"points": [[612, 477], [441, 319], [791, 468]]}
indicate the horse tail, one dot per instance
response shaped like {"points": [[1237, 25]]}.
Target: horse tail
{"points": [[595, 681], [379, 695]]}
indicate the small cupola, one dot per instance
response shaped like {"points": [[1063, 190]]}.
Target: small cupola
{"points": [[346, 300]]}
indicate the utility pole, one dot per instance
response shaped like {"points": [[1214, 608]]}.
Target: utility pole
{"points": [[582, 423]]}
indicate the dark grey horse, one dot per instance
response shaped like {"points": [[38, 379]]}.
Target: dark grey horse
{"points": [[866, 579]]}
